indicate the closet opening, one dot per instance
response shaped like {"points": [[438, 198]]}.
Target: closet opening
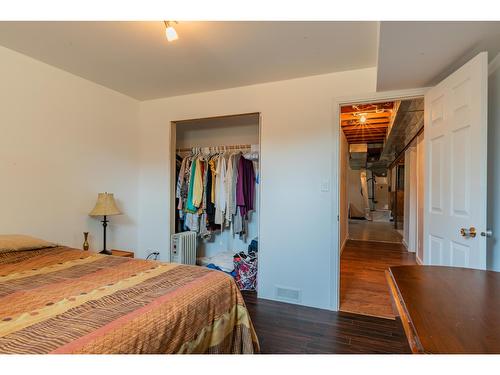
{"points": [[215, 195], [381, 199]]}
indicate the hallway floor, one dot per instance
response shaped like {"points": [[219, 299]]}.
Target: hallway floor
{"points": [[365, 230], [363, 287]]}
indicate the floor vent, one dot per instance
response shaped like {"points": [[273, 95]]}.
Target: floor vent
{"points": [[287, 294]]}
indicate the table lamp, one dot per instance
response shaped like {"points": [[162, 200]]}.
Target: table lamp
{"points": [[105, 206]]}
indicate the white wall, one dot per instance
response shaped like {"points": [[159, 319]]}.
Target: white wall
{"points": [[62, 140], [298, 219], [356, 199], [410, 199], [493, 257], [220, 132], [420, 197], [344, 192]]}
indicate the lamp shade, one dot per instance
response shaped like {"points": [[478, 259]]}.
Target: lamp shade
{"points": [[105, 206]]}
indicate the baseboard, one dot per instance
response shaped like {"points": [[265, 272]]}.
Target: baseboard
{"points": [[343, 244], [419, 262], [403, 242]]}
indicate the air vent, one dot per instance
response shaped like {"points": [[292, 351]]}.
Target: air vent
{"points": [[287, 294]]}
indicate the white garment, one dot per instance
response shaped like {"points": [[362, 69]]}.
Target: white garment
{"points": [[237, 222], [223, 260], [192, 221], [220, 190], [231, 180], [227, 187]]}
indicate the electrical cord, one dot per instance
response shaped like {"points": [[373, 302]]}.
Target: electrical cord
{"points": [[155, 254]]}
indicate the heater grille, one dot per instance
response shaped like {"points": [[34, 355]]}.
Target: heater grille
{"points": [[183, 248]]}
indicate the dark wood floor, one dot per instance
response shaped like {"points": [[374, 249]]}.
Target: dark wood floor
{"points": [[292, 329], [363, 286]]}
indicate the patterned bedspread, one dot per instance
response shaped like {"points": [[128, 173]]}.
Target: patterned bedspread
{"points": [[61, 300]]}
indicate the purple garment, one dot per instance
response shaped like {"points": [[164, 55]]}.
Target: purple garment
{"points": [[245, 186]]}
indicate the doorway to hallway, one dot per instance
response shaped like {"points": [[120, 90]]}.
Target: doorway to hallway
{"points": [[379, 199]]}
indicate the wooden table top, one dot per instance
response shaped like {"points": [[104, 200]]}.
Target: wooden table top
{"points": [[448, 309], [122, 253]]}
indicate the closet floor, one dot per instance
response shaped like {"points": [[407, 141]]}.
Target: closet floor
{"points": [[363, 286], [284, 328]]}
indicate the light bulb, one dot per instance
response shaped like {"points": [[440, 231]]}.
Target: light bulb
{"points": [[362, 119], [171, 34]]}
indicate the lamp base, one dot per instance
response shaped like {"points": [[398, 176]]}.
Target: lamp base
{"points": [[106, 252]]}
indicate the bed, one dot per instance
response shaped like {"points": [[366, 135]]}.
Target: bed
{"points": [[62, 300]]}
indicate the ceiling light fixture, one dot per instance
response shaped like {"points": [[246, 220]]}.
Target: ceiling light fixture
{"points": [[362, 119], [170, 31]]}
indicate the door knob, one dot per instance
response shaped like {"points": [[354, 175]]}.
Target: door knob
{"points": [[487, 233], [471, 232]]}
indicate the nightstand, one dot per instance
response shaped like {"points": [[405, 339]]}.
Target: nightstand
{"points": [[122, 253]]}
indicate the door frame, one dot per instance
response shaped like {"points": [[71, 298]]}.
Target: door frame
{"points": [[337, 103]]}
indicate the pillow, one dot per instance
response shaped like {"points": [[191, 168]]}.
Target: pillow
{"points": [[20, 242]]}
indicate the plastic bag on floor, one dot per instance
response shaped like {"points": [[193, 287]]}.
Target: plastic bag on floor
{"points": [[246, 272]]}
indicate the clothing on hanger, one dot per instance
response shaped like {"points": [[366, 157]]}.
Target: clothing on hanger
{"points": [[220, 190], [215, 190]]}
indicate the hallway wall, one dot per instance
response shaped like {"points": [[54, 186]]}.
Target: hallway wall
{"points": [[356, 200], [344, 192], [410, 198]]}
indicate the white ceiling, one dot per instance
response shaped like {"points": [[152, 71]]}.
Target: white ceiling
{"points": [[135, 58], [420, 54]]}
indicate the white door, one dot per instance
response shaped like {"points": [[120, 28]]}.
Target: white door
{"points": [[455, 150]]}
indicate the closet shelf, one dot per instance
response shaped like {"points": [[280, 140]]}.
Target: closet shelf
{"points": [[216, 148]]}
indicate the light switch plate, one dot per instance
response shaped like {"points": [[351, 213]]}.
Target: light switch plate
{"points": [[325, 186]]}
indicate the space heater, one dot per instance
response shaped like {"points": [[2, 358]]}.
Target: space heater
{"points": [[183, 248]]}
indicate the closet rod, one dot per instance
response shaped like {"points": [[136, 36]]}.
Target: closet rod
{"points": [[214, 148]]}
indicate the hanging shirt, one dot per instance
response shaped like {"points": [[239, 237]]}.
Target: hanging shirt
{"points": [[210, 209], [213, 172], [220, 191], [231, 180], [184, 187], [180, 180], [245, 187], [189, 201], [192, 222], [198, 184]]}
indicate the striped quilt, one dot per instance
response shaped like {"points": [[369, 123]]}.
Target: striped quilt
{"points": [[61, 300]]}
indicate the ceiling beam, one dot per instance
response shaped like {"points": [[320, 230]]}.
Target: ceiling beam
{"points": [[360, 142], [367, 107], [365, 138], [348, 116], [367, 122], [365, 130], [365, 135], [367, 127], [350, 139]]}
